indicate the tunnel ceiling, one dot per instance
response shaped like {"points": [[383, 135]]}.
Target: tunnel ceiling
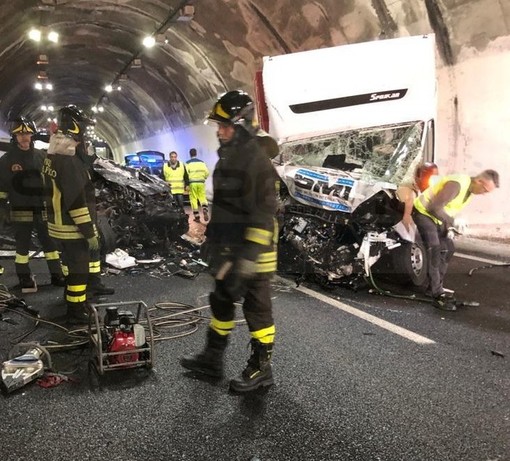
{"points": [[203, 48]]}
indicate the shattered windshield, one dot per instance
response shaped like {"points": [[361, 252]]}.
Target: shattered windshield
{"points": [[389, 153]]}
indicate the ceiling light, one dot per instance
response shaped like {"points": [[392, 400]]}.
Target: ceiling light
{"points": [[38, 86], [119, 88], [123, 77], [149, 41], [100, 109], [43, 60], [35, 35], [137, 63], [53, 36], [49, 86], [108, 88], [94, 109], [51, 108], [44, 108]]}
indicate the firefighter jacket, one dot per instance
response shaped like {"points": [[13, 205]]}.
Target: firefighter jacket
{"points": [[21, 182], [176, 177], [71, 197], [197, 170], [453, 206], [243, 223]]}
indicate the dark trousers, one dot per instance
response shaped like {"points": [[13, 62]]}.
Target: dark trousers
{"points": [[179, 199], [76, 256], [257, 306], [23, 235], [439, 248]]}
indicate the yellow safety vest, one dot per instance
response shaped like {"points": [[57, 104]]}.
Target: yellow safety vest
{"points": [[454, 206], [175, 177], [197, 170]]}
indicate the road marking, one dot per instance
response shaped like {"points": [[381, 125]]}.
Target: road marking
{"points": [[476, 258], [368, 317]]}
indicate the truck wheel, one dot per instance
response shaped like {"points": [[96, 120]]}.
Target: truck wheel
{"points": [[410, 263]]}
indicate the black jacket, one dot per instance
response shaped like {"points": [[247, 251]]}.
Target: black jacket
{"points": [[21, 181], [244, 201]]}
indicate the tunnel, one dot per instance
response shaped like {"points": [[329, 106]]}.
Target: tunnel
{"points": [[156, 97]]}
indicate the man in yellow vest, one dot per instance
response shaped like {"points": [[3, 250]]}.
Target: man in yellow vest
{"points": [[198, 173], [434, 212], [175, 174]]}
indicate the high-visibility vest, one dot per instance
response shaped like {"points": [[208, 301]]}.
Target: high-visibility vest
{"points": [[454, 206], [197, 170], [175, 177]]}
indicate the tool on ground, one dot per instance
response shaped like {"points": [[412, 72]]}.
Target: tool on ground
{"points": [[118, 340], [23, 369], [488, 266]]}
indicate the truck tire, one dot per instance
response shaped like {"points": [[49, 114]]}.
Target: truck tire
{"points": [[409, 262]]}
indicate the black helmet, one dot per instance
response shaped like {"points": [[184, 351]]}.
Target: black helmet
{"points": [[234, 107], [73, 121], [22, 125]]}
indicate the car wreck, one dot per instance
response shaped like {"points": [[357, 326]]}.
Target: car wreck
{"points": [[353, 123], [135, 209]]}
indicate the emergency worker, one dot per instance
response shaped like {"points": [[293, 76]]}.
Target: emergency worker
{"points": [[197, 174], [407, 192], [175, 174], [21, 183], [71, 206], [434, 213], [241, 242]]}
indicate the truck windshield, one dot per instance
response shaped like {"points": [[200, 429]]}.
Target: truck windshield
{"points": [[389, 153]]}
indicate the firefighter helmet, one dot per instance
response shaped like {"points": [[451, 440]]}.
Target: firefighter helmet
{"points": [[22, 125], [234, 107], [73, 121]]}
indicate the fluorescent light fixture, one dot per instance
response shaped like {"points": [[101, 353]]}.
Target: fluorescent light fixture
{"points": [[44, 108], [108, 88], [51, 108], [38, 86], [53, 36], [43, 60], [94, 109], [49, 86], [100, 109], [119, 88], [35, 35], [149, 41]]}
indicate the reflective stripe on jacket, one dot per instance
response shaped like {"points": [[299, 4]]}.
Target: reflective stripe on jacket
{"points": [[453, 206], [197, 170], [175, 177]]}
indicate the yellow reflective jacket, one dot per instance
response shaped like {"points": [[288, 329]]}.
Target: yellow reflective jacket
{"points": [[197, 170], [175, 177], [451, 208]]}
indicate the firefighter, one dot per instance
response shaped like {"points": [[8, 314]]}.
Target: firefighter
{"points": [[197, 174], [241, 238], [71, 206], [434, 212], [21, 184], [175, 174]]}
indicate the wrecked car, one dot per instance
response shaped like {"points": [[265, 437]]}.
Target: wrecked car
{"points": [[353, 123], [135, 208]]}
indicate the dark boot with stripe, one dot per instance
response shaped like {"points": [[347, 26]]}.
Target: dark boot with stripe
{"points": [[258, 373], [210, 361]]}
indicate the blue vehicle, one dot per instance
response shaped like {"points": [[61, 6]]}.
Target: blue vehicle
{"points": [[150, 161]]}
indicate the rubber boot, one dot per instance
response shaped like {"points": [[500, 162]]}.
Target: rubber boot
{"points": [[210, 361], [77, 313], [258, 373], [205, 212]]}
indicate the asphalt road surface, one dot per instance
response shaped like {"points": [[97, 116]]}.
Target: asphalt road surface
{"points": [[359, 376]]}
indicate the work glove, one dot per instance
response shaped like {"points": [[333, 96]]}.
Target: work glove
{"points": [[236, 277], [93, 243]]}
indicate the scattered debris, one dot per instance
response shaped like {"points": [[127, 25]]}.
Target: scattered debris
{"points": [[498, 354]]}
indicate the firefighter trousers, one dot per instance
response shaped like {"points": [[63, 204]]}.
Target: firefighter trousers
{"points": [[76, 257], [23, 236], [257, 309]]}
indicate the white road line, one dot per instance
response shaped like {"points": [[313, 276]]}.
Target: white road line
{"points": [[368, 317], [476, 258]]}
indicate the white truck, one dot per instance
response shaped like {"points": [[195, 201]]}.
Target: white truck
{"points": [[352, 122]]}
